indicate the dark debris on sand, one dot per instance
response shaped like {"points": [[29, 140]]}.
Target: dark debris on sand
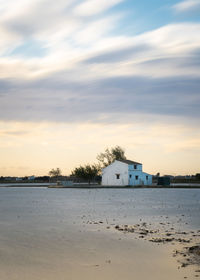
{"points": [[189, 255], [163, 233]]}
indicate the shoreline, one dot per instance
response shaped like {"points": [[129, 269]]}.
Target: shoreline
{"points": [[38, 185]]}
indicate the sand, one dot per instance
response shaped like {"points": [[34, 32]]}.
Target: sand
{"points": [[100, 251]]}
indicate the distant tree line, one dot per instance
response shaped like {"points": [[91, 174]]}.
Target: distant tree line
{"points": [[39, 179]]}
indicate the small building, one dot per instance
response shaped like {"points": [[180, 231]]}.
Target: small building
{"points": [[163, 181], [65, 183], [19, 179], [125, 173], [32, 177]]}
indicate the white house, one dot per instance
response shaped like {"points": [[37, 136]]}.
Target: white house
{"points": [[125, 173]]}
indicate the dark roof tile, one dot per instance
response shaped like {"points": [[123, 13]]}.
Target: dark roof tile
{"points": [[129, 161]]}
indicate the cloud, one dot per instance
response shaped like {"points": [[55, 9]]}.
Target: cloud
{"points": [[187, 6], [70, 66], [8, 40], [13, 132], [93, 7], [53, 23], [117, 55], [111, 100]]}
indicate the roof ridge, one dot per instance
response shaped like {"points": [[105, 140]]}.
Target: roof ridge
{"points": [[129, 161]]}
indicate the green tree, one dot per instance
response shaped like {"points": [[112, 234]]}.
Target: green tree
{"points": [[87, 172], [55, 173], [110, 155]]}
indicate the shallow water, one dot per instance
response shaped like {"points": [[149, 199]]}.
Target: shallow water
{"points": [[52, 233]]}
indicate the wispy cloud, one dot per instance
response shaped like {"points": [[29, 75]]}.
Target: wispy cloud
{"points": [[106, 83], [68, 68], [187, 6], [93, 7]]}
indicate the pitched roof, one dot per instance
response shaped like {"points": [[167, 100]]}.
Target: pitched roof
{"points": [[129, 161]]}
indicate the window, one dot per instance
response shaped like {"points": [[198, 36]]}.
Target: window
{"points": [[146, 177], [136, 177], [130, 176], [135, 166], [117, 176]]}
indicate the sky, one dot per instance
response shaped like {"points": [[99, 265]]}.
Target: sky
{"points": [[79, 76]]}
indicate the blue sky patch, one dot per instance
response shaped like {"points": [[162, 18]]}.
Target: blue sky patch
{"points": [[29, 49]]}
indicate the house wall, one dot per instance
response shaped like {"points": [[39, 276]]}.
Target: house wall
{"points": [[131, 167], [149, 181], [109, 177], [142, 178]]}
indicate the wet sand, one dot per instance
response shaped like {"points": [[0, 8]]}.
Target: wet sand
{"points": [[93, 255], [54, 234]]}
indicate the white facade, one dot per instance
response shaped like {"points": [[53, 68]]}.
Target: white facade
{"points": [[125, 173]]}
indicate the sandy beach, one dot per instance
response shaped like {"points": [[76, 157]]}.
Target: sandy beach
{"points": [[99, 234]]}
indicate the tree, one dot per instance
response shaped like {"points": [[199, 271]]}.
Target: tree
{"points": [[87, 172], [197, 176], [55, 172], [109, 156]]}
